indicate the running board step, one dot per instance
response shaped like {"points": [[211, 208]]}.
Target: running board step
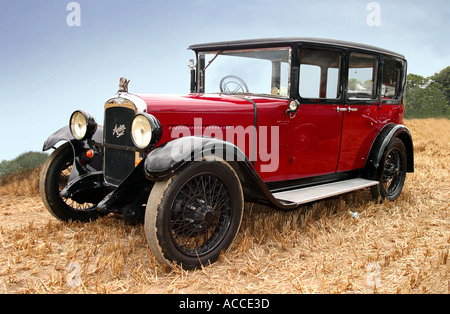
{"points": [[318, 192]]}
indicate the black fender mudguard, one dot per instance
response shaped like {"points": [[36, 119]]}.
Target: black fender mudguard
{"points": [[84, 175], [380, 146], [64, 134], [79, 147], [165, 161]]}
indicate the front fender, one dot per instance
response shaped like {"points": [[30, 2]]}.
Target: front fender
{"points": [[165, 161], [162, 162], [381, 145], [79, 148], [64, 134]]}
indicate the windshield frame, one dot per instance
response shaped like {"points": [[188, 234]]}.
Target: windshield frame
{"points": [[250, 53]]}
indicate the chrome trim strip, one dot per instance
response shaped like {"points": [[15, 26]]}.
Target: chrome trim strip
{"points": [[140, 104]]}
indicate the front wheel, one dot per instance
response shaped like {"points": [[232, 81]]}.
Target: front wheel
{"points": [[195, 215], [54, 178], [393, 173]]}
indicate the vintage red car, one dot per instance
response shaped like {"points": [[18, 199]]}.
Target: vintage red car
{"points": [[281, 122]]}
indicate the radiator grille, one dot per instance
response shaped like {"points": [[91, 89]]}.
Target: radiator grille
{"points": [[118, 163]]}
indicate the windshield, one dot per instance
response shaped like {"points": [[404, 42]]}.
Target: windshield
{"points": [[255, 71]]}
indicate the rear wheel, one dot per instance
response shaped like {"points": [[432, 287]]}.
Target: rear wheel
{"points": [[192, 217], [393, 173], [54, 178]]}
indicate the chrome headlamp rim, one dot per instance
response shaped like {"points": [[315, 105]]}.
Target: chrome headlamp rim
{"points": [[82, 125], [155, 130]]}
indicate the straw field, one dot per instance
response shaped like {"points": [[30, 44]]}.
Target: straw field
{"points": [[399, 247]]}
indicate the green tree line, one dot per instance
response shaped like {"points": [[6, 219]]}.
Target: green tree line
{"points": [[428, 97], [25, 161]]}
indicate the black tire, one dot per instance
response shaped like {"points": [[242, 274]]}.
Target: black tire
{"points": [[393, 172], [195, 215], [53, 179]]}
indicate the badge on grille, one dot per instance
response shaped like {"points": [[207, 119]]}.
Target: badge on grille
{"points": [[119, 131]]}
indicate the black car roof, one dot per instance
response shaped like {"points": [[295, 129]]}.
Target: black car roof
{"points": [[271, 42]]}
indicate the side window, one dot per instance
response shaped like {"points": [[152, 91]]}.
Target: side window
{"points": [[392, 76], [309, 81], [362, 74], [320, 73]]}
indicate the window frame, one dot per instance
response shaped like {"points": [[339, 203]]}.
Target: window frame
{"points": [[201, 76], [341, 76], [377, 76], [400, 88]]}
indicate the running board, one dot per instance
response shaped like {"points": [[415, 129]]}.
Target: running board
{"points": [[318, 192]]}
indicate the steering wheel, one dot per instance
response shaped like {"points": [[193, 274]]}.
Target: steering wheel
{"points": [[233, 84]]}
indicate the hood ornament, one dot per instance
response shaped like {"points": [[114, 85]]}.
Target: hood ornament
{"points": [[123, 85]]}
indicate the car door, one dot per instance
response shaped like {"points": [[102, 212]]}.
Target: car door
{"points": [[360, 113], [316, 129]]}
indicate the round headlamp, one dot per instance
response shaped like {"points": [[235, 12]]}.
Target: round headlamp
{"points": [[145, 130], [82, 125]]}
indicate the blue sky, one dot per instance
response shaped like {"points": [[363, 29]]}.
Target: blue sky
{"points": [[49, 69]]}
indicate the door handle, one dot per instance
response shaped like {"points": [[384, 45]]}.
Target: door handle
{"points": [[349, 109]]}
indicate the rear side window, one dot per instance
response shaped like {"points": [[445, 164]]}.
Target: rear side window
{"points": [[319, 73], [362, 74], [392, 76]]}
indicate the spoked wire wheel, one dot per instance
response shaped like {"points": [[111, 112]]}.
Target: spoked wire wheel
{"points": [[200, 215], [54, 178], [393, 172], [191, 218], [64, 176]]}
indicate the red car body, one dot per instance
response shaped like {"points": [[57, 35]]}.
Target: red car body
{"points": [[326, 141]]}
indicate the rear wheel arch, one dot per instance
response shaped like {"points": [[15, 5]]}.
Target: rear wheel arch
{"points": [[393, 172], [409, 146], [381, 145]]}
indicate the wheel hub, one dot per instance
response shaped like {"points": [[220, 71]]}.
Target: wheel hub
{"points": [[199, 215]]}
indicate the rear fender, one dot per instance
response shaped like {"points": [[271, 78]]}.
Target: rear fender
{"points": [[381, 145]]}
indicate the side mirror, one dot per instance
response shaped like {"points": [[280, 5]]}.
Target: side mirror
{"points": [[191, 66]]}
